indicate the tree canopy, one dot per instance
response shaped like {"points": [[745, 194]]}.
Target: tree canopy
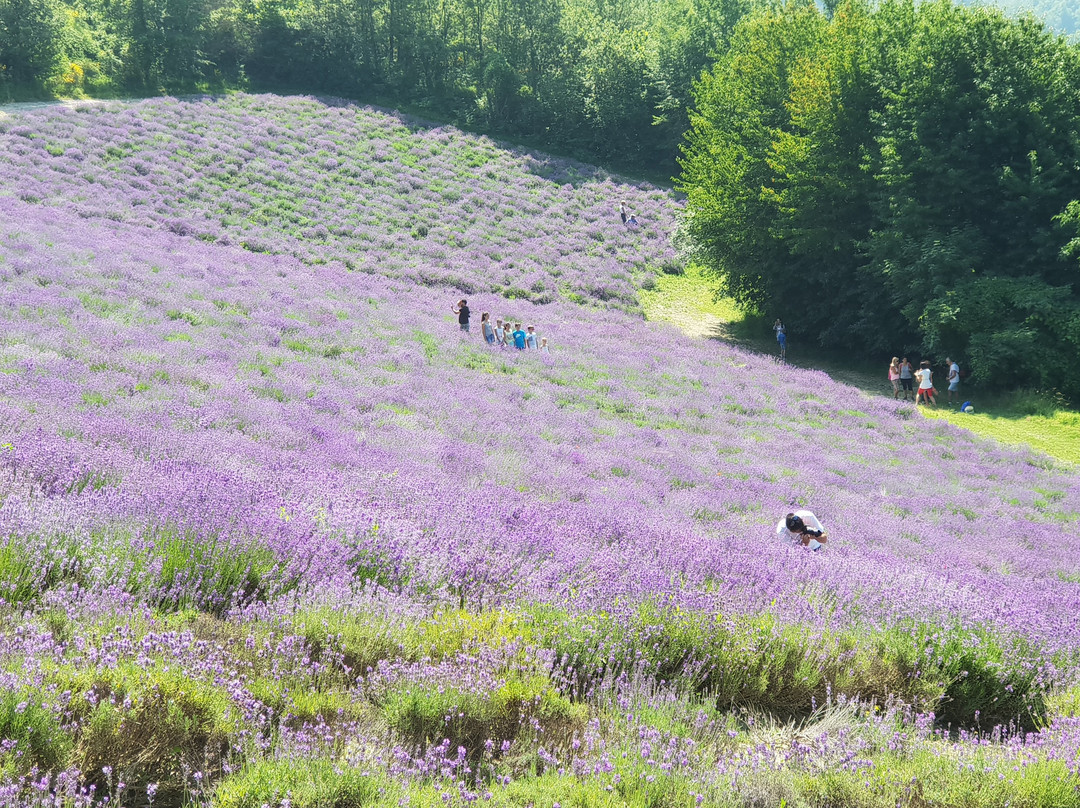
{"points": [[897, 177]]}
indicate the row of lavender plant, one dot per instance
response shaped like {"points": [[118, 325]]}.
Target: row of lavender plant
{"points": [[244, 398], [167, 711], [323, 182]]}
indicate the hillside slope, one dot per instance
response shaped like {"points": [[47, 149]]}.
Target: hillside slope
{"points": [[324, 182], [163, 367], [287, 520]]}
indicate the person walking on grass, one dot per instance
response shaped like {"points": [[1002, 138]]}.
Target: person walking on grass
{"points": [[530, 339], [894, 376], [781, 338], [907, 373], [953, 379], [802, 528], [926, 384], [622, 212], [486, 328], [544, 345], [499, 333], [519, 337], [462, 312]]}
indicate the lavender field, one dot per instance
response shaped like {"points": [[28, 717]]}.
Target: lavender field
{"points": [[275, 532], [374, 192]]}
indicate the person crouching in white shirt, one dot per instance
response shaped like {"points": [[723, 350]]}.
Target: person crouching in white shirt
{"points": [[803, 528]]}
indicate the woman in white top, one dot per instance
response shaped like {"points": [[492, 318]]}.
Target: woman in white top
{"points": [[803, 528], [926, 384]]}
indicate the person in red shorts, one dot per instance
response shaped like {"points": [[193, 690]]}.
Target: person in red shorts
{"points": [[926, 384]]}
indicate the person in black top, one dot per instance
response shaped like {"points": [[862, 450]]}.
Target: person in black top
{"points": [[462, 312]]}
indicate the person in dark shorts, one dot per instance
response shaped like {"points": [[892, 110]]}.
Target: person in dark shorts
{"points": [[462, 312], [907, 375]]}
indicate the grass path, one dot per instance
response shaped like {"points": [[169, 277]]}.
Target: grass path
{"points": [[686, 301], [1057, 435]]}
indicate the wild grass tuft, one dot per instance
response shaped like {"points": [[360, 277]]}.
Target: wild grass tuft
{"points": [[31, 565], [428, 715], [213, 573], [32, 735], [313, 783], [968, 679]]}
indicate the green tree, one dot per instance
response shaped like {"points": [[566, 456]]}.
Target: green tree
{"points": [[30, 42], [912, 170], [978, 157], [776, 198]]}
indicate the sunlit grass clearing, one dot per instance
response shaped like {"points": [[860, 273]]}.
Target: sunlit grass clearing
{"points": [[687, 302], [1058, 436]]}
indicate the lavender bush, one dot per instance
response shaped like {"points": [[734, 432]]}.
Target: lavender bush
{"points": [[274, 530]]}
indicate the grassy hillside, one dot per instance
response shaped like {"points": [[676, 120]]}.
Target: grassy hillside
{"points": [[276, 531]]}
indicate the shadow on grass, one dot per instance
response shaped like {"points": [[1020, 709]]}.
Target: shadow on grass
{"points": [[1043, 420], [754, 333]]}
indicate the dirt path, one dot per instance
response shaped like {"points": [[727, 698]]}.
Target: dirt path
{"points": [[14, 108]]}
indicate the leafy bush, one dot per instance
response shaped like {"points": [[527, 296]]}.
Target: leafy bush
{"points": [[32, 734], [154, 725]]}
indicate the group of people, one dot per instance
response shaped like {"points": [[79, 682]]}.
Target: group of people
{"points": [[630, 220], [505, 335], [902, 376]]}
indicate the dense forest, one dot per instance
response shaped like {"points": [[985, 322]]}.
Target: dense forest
{"points": [[898, 176]]}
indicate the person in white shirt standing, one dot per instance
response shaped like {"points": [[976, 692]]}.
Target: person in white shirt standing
{"points": [[926, 384], [954, 379], [802, 528]]}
